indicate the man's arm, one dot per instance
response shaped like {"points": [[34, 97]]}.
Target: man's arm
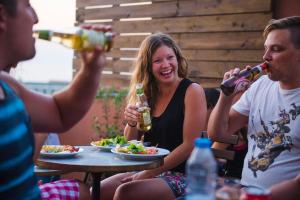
{"points": [[286, 190], [61, 111], [224, 121], [69, 106]]}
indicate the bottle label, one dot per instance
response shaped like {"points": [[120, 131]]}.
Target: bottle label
{"points": [[201, 179], [241, 84], [146, 117], [145, 111], [92, 38]]}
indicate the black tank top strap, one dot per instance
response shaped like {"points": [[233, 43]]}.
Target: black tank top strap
{"points": [[167, 129]]}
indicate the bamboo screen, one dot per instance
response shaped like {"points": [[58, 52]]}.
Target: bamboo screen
{"points": [[215, 35]]}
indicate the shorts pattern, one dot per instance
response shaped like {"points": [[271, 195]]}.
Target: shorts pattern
{"points": [[176, 182], [60, 190]]}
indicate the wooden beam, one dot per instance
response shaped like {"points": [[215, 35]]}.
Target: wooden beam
{"points": [[196, 24]]}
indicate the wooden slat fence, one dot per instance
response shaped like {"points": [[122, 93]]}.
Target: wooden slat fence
{"points": [[214, 35]]}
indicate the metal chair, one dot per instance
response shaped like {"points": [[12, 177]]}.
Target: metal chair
{"points": [[223, 153]]}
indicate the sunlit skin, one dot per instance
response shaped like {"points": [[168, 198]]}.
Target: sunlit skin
{"points": [[59, 112], [21, 23], [165, 65], [283, 59]]}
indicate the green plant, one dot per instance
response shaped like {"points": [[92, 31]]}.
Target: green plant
{"points": [[112, 103]]}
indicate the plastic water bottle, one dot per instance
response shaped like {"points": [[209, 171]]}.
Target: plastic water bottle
{"points": [[201, 172]]}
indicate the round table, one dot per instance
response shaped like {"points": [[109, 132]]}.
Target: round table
{"points": [[96, 162], [47, 172]]}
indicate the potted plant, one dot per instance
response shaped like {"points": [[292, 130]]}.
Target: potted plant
{"points": [[110, 123]]}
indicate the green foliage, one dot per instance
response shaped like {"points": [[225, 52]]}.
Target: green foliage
{"points": [[104, 127], [121, 140]]}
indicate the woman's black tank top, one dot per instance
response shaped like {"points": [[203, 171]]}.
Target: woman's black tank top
{"points": [[167, 129]]}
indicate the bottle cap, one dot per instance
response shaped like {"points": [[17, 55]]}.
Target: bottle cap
{"points": [[203, 143], [109, 38], [264, 66]]}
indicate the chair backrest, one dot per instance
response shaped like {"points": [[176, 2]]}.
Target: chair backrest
{"points": [[223, 153]]}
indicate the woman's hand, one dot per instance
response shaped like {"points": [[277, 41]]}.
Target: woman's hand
{"points": [[138, 176], [131, 115]]}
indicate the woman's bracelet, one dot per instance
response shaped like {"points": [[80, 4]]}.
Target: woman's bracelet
{"points": [[131, 125]]}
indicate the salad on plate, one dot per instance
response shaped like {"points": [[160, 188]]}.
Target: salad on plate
{"points": [[59, 151], [136, 148], [137, 151], [109, 143]]}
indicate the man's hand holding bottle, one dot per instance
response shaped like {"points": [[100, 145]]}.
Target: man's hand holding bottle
{"points": [[237, 81], [95, 57]]}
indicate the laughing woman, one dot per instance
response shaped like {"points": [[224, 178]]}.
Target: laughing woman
{"points": [[178, 112]]}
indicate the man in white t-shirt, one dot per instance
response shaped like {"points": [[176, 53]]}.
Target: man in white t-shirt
{"points": [[270, 108]]}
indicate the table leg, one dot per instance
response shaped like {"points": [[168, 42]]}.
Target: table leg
{"points": [[96, 186]]}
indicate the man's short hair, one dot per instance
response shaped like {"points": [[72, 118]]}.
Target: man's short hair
{"points": [[10, 5], [291, 23]]}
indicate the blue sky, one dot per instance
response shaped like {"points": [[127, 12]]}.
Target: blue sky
{"points": [[52, 61]]}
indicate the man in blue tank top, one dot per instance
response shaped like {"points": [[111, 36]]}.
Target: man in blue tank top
{"points": [[23, 111]]}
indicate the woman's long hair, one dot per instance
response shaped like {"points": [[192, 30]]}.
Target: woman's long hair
{"points": [[143, 67]]}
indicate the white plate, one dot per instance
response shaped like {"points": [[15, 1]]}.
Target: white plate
{"points": [[104, 148], [60, 154], [161, 153]]}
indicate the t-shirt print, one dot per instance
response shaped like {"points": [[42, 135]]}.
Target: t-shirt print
{"points": [[273, 140]]}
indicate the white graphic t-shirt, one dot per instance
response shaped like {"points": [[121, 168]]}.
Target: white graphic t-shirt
{"points": [[273, 133]]}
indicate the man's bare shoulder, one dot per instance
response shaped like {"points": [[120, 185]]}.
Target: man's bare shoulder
{"points": [[12, 82]]}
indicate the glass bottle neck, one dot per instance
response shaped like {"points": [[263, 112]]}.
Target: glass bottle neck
{"points": [[142, 100]]}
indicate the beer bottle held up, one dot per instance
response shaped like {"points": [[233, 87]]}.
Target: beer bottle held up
{"points": [[242, 80], [143, 107], [77, 38]]}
